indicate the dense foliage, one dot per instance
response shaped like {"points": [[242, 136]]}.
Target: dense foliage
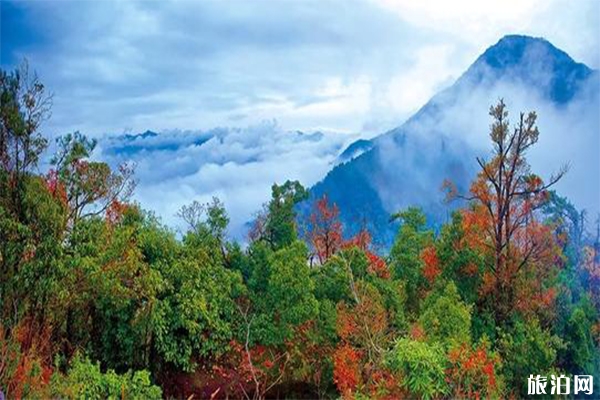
{"points": [[100, 300]]}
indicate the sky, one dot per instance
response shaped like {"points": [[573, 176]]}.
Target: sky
{"points": [[258, 71], [346, 66]]}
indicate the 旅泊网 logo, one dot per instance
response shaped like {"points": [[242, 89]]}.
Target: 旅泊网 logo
{"points": [[560, 385]]}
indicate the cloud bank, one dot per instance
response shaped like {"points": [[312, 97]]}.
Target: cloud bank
{"points": [[237, 165]]}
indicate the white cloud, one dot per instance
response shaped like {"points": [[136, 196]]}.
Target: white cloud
{"points": [[237, 165], [410, 90], [573, 26]]}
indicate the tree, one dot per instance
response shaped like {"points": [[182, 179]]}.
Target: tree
{"points": [[421, 367], [24, 105], [347, 373], [527, 347], [569, 225], [85, 380], [505, 197], [192, 214], [445, 318], [282, 294], [193, 319], [91, 187], [370, 306], [580, 348], [364, 324], [326, 229], [462, 263], [272, 316], [277, 225], [591, 267], [474, 372], [208, 226], [406, 260]]}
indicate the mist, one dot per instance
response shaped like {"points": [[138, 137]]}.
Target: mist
{"points": [[237, 165], [444, 138]]}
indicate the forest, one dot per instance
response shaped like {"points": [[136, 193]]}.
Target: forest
{"points": [[99, 299]]}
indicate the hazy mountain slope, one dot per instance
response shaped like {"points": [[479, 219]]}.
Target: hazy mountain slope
{"points": [[407, 165]]}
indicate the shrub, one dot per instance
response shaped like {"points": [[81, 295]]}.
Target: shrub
{"points": [[85, 380]]}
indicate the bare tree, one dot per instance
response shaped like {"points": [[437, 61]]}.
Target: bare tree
{"points": [[192, 214]]}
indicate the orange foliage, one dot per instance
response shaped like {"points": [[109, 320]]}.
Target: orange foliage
{"points": [[353, 373], [472, 373], [385, 385], [377, 266], [25, 360], [115, 211], [363, 330], [240, 372], [417, 332], [523, 264], [326, 233], [362, 240], [475, 222], [488, 283], [596, 332], [347, 323], [346, 372], [258, 369], [431, 264], [471, 269], [365, 323]]}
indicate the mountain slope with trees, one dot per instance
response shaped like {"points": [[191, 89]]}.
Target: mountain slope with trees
{"points": [[407, 165]]}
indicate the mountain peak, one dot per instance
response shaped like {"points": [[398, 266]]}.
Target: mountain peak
{"points": [[533, 60], [514, 49], [441, 141]]}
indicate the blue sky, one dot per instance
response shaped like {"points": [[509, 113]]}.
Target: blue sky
{"points": [[331, 65], [258, 71]]}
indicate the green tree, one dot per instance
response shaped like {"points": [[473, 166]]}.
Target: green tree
{"points": [[445, 318], [462, 264], [421, 366], [526, 349], [193, 318], [24, 105], [85, 380], [580, 354], [277, 225], [405, 256], [286, 300]]}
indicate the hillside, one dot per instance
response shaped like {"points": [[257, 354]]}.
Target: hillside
{"points": [[406, 165]]}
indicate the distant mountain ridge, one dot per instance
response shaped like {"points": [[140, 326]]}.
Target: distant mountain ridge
{"points": [[355, 149], [407, 165]]}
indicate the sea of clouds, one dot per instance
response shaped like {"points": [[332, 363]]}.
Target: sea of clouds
{"points": [[237, 165]]}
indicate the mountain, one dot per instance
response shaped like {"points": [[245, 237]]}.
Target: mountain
{"points": [[354, 150], [128, 145], [407, 165], [536, 62]]}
